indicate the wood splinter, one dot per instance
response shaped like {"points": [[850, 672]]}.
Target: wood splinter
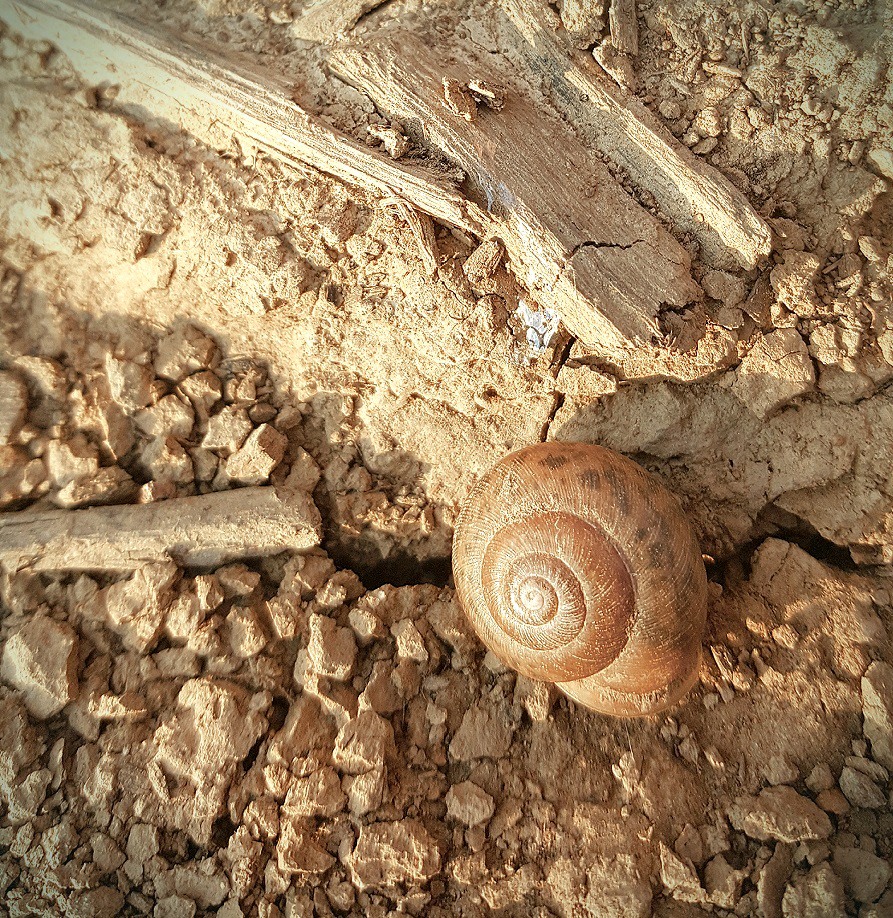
{"points": [[203, 531]]}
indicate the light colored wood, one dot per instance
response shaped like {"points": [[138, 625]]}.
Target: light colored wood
{"points": [[195, 86], [572, 235], [695, 195], [623, 25], [196, 531]]}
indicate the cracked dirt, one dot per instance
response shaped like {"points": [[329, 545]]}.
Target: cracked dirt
{"points": [[319, 733]]}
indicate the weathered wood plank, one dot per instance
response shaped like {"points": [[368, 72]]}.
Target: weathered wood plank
{"points": [[207, 530], [694, 194], [189, 84], [573, 236]]}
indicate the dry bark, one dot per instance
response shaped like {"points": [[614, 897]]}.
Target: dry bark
{"points": [[695, 195], [178, 78], [207, 530], [573, 236], [624, 28]]}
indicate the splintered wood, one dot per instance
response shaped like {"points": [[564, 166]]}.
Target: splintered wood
{"points": [[203, 89], [573, 236], [208, 530], [694, 194], [624, 29]]}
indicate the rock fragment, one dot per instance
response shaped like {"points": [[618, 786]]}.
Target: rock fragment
{"points": [[391, 853], [780, 813], [136, 607], [722, 883], [298, 852], [203, 389], [410, 645], [882, 160], [772, 881], [18, 477], [303, 474], [27, 797], [317, 794], [215, 724], [365, 792], [165, 459], [833, 801], [102, 902], [583, 20], [331, 648], [877, 711], [363, 743], [110, 485], [107, 856], [257, 457], [70, 461], [13, 406], [469, 803], [227, 430], [617, 888], [202, 881], [774, 372], [130, 384], [183, 352], [820, 778], [366, 625], [142, 843], [485, 732], [535, 697], [40, 660], [170, 416], [174, 907], [794, 282], [818, 894], [679, 876], [860, 790], [865, 875], [246, 634]]}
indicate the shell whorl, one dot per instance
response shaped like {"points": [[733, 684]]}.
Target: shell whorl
{"points": [[576, 566]]}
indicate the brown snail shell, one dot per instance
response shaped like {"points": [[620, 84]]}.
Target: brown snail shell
{"points": [[576, 566]]}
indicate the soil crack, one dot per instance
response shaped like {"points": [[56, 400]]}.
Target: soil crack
{"points": [[593, 244], [558, 401]]}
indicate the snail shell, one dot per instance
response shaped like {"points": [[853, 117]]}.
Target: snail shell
{"points": [[576, 566]]}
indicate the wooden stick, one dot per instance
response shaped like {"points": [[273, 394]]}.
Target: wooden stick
{"points": [[208, 530], [623, 25], [694, 194], [573, 236], [195, 86]]}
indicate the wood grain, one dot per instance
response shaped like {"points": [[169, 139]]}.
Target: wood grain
{"points": [[207, 530], [572, 235], [623, 25], [696, 196], [190, 84]]}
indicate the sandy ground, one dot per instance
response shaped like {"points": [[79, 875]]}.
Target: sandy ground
{"points": [[322, 734]]}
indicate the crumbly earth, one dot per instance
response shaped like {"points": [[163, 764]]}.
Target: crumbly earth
{"points": [[322, 734]]}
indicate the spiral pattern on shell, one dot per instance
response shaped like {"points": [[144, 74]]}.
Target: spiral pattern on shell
{"points": [[576, 566]]}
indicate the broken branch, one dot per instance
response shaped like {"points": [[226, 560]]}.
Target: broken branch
{"points": [[207, 530], [615, 122]]}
